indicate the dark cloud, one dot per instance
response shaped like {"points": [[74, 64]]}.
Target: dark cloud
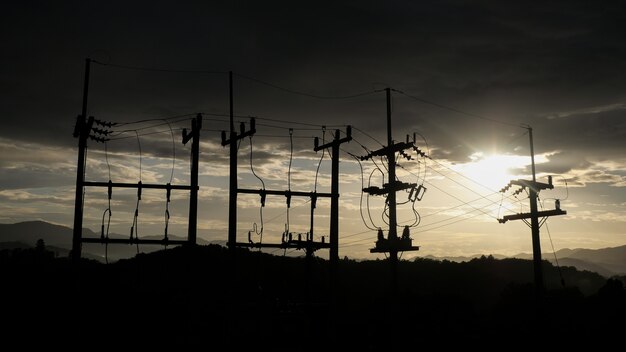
{"points": [[515, 63]]}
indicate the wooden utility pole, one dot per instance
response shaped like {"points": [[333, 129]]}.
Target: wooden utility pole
{"points": [[83, 135], [196, 126], [534, 188], [334, 201], [81, 131], [232, 142], [392, 244]]}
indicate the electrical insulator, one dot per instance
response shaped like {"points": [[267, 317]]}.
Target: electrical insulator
{"points": [[263, 198], [223, 136], [316, 142], [349, 131], [252, 124]]}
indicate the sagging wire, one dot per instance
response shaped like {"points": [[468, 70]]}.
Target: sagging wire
{"points": [[134, 229], [286, 234], [254, 225], [321, 158], [169, 190], [367, 199], [556, 260], [361, 198], [104, 235]]}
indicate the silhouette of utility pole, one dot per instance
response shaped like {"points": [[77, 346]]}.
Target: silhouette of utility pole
{"points": [[288, 239], [534, 188], [232, 142], [334, 202], [392, 244], [83, 132]]}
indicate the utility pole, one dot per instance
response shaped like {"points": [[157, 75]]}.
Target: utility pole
{"points": [[534, 188], [196, 126], [232, 142], [232, 191], [100, 135], [81, 131], [334, 201], [392, 244]]}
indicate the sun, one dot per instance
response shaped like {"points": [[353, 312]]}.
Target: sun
{"points": [[493, 171]]}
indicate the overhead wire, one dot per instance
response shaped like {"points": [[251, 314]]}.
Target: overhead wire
{"points": [[556, 260], [292, 91], [135, 226], [154, 69], [458, 111], [254, 225]]}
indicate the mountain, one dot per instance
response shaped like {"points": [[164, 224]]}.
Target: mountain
{"points": [[30, 231], [58, 239], [608, 262], [462, 259]]}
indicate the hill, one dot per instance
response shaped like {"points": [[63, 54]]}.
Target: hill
{"points": [[26, 234], [607, 262], [199, 295]]}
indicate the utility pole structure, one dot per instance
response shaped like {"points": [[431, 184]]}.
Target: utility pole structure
{"points": [[393, 244], [534, 188], [194, 135], [232, 142], [81, 131], [334, 201]]}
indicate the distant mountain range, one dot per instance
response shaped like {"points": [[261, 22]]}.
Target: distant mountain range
{"points": [[607, 262], [58, 239]]}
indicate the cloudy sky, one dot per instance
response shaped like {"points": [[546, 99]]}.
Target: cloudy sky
{"points": [[466, 75]]}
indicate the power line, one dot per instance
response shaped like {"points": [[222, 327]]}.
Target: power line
{"points": [[367, 135], [299, 123], [451, 223], [292, 91], [441, 106], [154, 69]]}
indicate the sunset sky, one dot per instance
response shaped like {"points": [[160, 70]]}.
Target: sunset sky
{"points": [[466, 75]]}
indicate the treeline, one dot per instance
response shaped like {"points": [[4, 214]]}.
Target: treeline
{"points": [[190, 296]]}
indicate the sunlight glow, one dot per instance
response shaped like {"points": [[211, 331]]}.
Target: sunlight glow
{"points": [[493, 171]]}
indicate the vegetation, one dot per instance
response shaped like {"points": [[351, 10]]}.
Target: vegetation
{"points": [[187, 295]]}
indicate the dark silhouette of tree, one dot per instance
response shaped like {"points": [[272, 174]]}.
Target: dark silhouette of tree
{"points": [[40, 246]]}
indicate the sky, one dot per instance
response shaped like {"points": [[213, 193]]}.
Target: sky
{"points": [[465, 76]]}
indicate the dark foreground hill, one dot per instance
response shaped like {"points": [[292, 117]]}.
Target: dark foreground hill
{"points": [[190, 296]]}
